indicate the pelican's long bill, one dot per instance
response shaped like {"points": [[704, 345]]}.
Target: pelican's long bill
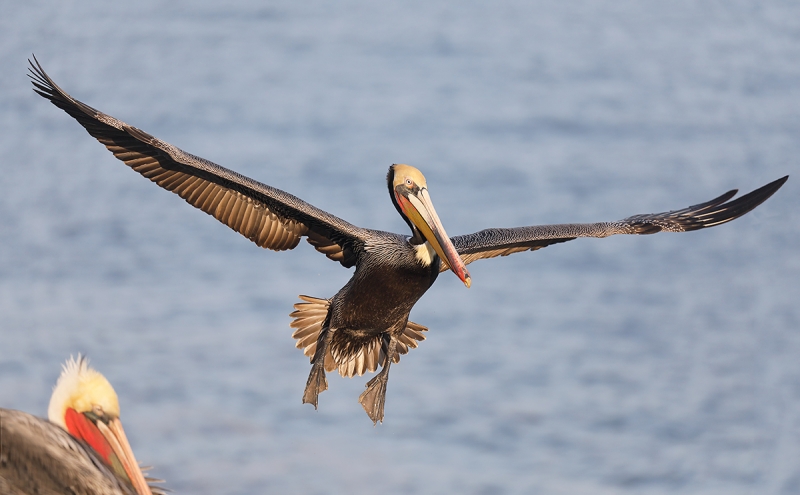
{"points": [[112, 445], [419, 209], [115, 436]]}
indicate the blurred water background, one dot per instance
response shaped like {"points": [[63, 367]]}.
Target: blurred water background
{"points": [[660, 364]]}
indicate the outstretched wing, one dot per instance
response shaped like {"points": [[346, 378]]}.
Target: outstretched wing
{"points": [[271, 218], [502, 242]]}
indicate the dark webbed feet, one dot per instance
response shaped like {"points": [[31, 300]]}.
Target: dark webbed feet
{"points": [[316, 384], [374, 397]]}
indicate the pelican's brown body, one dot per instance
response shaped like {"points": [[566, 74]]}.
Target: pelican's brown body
{"points": [[379, 297], [38, 457], [365, 325]]}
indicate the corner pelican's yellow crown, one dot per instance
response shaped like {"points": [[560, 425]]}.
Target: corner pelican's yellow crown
{"points": [[83, 389], [85, 404]]}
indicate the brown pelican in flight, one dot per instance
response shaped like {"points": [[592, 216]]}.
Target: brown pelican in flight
{"points": [[365, 325], [82, 449]]}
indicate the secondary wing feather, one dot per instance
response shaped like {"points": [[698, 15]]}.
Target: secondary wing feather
{"points": [[490, 243], [271, 218]]}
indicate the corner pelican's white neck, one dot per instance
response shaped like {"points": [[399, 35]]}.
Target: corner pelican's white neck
{"points": [[424, 253]]}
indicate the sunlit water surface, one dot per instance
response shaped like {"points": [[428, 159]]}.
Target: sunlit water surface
{"points": [[661, 364]]}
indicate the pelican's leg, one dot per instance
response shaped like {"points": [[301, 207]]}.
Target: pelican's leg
{"points": [[317, 383], [373, 398]]}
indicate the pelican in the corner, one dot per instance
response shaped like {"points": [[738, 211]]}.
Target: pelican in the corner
{"points": [[82, 449], [365, 325]]}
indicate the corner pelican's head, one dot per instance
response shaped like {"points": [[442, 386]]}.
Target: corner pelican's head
{"points": [[409, 192], [84, 403]]}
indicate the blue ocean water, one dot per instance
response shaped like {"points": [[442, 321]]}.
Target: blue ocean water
{"points": [[659, 364]]}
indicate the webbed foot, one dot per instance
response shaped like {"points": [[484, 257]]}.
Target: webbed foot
{"points": [[373, 398], [316, 384]]}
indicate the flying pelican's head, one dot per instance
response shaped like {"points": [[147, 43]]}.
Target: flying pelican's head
{"points": [[85, 404], [409, 193]]}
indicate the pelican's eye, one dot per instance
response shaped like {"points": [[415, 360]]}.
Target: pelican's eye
{"points": [[409, 183], [96, 414], [97, 410]]}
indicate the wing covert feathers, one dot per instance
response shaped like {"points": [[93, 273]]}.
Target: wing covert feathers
{"points": [[269, 217], [309, 319], [502, 242]]}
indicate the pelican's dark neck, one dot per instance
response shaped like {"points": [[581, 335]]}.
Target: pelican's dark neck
{"points": [[416, 239]]}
